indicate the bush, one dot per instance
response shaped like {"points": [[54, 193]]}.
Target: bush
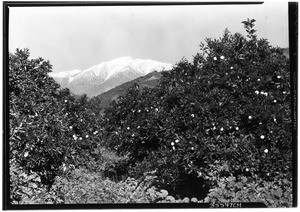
{"points": [[227, 112], [82, 186], [273, 194], [28, 189], [108, 164]]}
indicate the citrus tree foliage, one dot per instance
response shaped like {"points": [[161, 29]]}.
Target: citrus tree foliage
{"points": [[48, 127], [83, 186], [28, 189], [225, 113], [274, 194]]}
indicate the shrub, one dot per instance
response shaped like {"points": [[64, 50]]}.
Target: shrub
{"points": [[82, 186], [27, 188], [108, 163], [274, 194]]}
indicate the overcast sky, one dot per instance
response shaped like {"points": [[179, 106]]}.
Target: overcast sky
{"points": [[80, 37]]}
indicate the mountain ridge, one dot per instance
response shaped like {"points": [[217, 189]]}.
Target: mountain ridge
{"points": [[107, 75]]}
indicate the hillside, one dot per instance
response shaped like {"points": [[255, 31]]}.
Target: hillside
{"points": [[149, 80]]}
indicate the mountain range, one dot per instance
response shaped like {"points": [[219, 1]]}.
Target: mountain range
{"points": [[105, 76]]}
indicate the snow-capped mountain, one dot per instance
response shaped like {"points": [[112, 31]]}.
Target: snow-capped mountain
{"points": [[107, 75], [65, 77]]}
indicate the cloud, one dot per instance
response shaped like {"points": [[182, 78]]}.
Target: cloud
{"points": [[79, 37]]}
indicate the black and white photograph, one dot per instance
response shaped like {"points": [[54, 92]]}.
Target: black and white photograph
{"points": [[149, 104]]}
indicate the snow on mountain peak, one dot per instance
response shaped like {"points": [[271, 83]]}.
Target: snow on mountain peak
{"points": [[120, 70]]}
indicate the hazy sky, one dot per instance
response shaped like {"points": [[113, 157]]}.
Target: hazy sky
{"points": [[80, 37]]}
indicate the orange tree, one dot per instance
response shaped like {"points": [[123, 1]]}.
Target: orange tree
{"points": [[225, 113], [47, 125]]}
